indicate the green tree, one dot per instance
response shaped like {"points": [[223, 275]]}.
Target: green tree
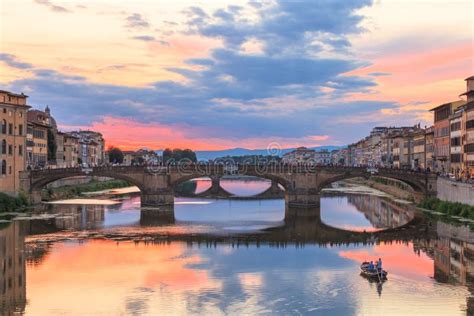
{"points": [[167, 155], [115, 155], [189, 154], [179, 154], [52, 146]]}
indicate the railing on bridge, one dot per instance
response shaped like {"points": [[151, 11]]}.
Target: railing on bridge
{"points": [[230, 169]]}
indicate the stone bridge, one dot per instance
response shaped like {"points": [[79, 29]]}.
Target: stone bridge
{"points": [[302, 183], [216, 191]]}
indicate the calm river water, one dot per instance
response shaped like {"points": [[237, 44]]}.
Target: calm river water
{"points": [[215, 257]]}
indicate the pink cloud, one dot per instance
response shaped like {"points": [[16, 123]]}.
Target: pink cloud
{"points": [[129, 134], [429, 75]]}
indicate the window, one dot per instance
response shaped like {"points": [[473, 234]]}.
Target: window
{"points": [[10, 150], [20, 130], [456, 141], [469, 148], [456, 158], [4, 111], [4, 147], [38, 134], [455, 126], [20, 150], [10, 129], [4, 166], [4, 127], [470, 124], [442, 114]]}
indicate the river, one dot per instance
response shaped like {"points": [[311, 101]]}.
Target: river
{"points": [[106, 256]]}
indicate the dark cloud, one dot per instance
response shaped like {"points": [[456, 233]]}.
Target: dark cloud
{"points": [[168, 102], [11, 61], [379, 74], [136, 21], [286, 24], [145, 38], [53, 7], [148, 38]]}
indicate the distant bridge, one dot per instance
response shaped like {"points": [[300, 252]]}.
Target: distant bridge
{"points": [[302, 183]]}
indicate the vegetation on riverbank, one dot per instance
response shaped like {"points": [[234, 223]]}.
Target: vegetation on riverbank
{"points": [[71, 191], [10, 203], [448, 208]]}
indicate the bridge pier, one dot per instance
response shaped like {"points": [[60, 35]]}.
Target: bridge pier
{"points": [[215, 186], [157, 216], [215, 190], [157, 197], [35, 197], [302, 198], [312, 213]]}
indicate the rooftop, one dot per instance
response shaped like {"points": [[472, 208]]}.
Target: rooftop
{"points": [[21, 95], [454, 104], [467, 92]]}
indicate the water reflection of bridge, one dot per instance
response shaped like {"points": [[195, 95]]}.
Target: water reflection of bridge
{"points": [[301, 225]]}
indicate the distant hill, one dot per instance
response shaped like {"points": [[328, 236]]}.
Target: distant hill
{"points": [[213, 154]]}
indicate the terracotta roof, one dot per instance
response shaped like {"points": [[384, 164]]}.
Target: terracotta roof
{"points": [[455, 103], [34, 116], [14, 94], [70, 136]]}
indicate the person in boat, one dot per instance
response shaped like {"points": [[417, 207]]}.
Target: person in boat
{"points": [[371, 266], [379, 265]]}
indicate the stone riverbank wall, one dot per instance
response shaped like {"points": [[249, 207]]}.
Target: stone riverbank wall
{"points": [[455, 191]]}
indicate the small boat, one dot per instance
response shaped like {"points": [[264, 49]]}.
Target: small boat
{"points": [[375, 275]]}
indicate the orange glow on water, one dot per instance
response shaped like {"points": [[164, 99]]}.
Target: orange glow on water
{"points": [[111, 272], [397, 259]]}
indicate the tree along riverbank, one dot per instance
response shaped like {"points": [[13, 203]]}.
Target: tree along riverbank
{"points": [[71, 191], [448, 208], [10, 203]]}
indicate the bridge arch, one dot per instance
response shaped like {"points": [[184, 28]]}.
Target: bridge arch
{"points": [[278, 179], [34, 181], [415, 185]]}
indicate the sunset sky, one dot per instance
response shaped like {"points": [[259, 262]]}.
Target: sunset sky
{"points": [[216, 75]]}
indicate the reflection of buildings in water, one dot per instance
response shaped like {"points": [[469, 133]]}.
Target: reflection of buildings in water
{"points": [[381, 212], [12, 268], [453, 255], [79, 217], [35, 253]]}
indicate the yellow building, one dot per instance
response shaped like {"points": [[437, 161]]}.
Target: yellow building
{"points": [[38, 126], [13, 110], [71, 150], [468, 130]]}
